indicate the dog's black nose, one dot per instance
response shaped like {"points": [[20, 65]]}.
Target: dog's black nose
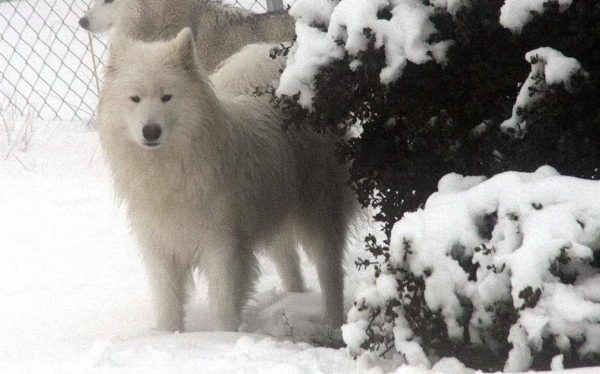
{"points": [[84, 22], [151, 132]]}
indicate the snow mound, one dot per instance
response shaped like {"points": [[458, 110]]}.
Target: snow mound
{"points": [[532, 238], [204, 352]]}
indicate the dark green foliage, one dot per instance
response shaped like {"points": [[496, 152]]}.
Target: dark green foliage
{"points": [[421, 128]]}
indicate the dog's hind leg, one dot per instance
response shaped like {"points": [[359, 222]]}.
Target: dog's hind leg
{"points": [[232, 269], [284, 253], [324, 246], [168, 281]]}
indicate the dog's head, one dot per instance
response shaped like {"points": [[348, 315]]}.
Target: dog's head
{"points": [[155, 92], [103, 15]]}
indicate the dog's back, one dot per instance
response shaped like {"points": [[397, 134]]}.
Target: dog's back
{"points": [[222, 32]]}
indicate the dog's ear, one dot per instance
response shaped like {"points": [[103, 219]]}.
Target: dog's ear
{"points": [[185, 50]]}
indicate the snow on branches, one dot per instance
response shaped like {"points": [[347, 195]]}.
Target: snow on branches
{"points": [[349, 26], [519, 247], [548, 67], [327, 30]]}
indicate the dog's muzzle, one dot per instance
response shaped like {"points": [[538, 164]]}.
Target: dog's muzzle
{"points": [[84, 22]]}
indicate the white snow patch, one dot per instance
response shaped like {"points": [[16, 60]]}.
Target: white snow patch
{"points": [[313, 49], [515, 14], [557, 363], [312, 12]]}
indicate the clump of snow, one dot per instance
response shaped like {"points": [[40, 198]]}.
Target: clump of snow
{"points": [[404, 37], [454, 182], [515, 14], [450, 365], [556, 67], [313, 49], [533, 237], [410, 349], [311, 12], [548, 67], [557, 363]]}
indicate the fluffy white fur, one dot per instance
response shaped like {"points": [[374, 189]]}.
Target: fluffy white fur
{"points": [[224, 180], [248, 69], [219, 30]]}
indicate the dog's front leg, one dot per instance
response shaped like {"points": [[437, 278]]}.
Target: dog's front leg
{"points": [[231, 269], [167, 284]]}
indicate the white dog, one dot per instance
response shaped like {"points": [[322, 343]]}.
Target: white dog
{"points": [[209, 177], [219, 30]]}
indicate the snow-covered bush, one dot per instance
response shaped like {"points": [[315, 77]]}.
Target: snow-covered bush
{"points": [[509, 265], [418, 89]]}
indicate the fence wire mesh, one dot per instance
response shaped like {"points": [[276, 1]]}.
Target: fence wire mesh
{"points": [[49, 66]]}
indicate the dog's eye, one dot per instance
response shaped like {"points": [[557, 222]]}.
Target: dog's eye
{"points": [[135, 99], [166, 98]]}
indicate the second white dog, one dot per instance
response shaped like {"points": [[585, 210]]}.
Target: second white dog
{"points": [[220, 30]]}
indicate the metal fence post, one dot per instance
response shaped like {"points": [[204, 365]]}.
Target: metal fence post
{"points": [[274, 5]]}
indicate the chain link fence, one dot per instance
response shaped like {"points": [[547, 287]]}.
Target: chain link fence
{"points": [[49, 66]]}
